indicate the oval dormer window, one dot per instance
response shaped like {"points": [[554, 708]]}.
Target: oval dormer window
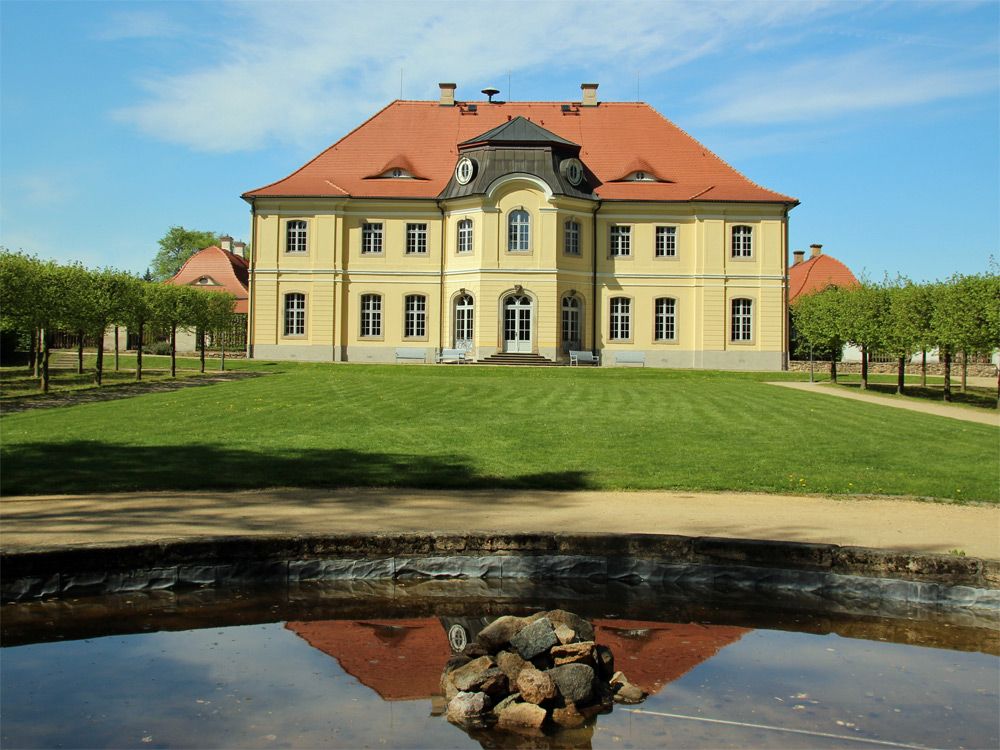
{"points": [[397, 173], [640, 176]]}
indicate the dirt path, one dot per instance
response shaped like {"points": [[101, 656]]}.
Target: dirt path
{"points": [[883, 523], [941, 410]]}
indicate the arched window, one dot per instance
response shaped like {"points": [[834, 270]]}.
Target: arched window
{"points": [[741, 326], [464, 311], [519, 231], [295, 314], [665, 323], [621, 319], [295, 237], [371, 315], [571, 238], [571, 339], [742, 241], [465, 236], [415, 319]]}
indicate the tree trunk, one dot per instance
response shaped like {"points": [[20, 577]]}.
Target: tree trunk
{"points": [[45, 360], [901, 376], [998, 387], [33, 351], [965, 369], [833, 368], [37, 344], [116, 348], [864, 368], [923, 368], [173, 350], [201, 336], [947, 372], [222, 366], [100, 361], [138, 353], [79, 353]]}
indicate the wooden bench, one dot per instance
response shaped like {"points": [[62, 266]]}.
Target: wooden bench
{"points": [[411, 354], [453, 355], [587, 358], [630, 358]]}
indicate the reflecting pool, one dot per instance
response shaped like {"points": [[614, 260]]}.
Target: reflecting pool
{"points": [[335, 665]]}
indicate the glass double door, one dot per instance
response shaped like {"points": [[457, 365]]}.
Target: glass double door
{"points": [[517, 323]]}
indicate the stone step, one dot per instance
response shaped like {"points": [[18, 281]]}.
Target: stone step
{"points": [[523, 360]]}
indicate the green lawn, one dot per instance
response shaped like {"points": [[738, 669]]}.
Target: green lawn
{"points": [[560, 428]]}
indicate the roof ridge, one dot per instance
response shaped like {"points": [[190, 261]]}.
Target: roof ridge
{"points": [[324, 151], [716, 156]]}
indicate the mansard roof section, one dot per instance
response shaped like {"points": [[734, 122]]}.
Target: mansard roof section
{"points": [[519, 131], [611, 136]]}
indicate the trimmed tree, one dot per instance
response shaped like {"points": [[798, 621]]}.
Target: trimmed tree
{"points": [[220, 316], [818, 321], [865, 320]]}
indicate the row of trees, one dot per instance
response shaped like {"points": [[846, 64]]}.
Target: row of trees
{"points": [[40, 297], [899, 318]]}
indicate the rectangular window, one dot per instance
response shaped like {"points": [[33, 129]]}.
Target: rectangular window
{"points": [[621, 241], [415, 325], [571, 244], [665, 324], [371, 315], [621, 319], [666, 242], [742, 320], [295, 237], [416, 239], [465, 236], [371, 239], [742, 241], [295, 315]]}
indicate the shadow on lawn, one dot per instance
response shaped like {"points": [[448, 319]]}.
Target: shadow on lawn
{"points": [[983, 398], [94, 466]]}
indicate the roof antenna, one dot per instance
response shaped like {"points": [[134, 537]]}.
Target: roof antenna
{"points": [[491, 92]]}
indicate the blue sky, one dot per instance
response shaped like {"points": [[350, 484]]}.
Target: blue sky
{"points": [[118, 120]]}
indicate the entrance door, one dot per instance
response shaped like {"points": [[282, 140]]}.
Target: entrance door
{"points": [[517, 323], [463, 322]]}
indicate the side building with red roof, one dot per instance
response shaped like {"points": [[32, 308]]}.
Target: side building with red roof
{"points": [[520, 230]]}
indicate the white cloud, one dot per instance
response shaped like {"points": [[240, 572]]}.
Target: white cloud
{"points": [[43, 188], [137, 24], [835, 86], [291, 72]]}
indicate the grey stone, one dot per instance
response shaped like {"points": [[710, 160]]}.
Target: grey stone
{"points": [[511, 664], [498, 633], [629, 694], [470, 676], [565, 634], [535, 639], [535, 686], [510, 699], [466, 708], [584, 630], [575, 681]]}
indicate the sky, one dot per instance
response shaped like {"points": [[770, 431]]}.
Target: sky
{"points": [[119, 120]]}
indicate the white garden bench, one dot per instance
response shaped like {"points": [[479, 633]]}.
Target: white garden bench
{"points": [[453, 355], [630, 358], [587, 358], [410, 354]]}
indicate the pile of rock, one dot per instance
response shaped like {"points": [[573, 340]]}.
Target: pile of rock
{"points": [[530, 672]]}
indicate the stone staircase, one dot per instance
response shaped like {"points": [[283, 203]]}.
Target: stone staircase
{"points": [[518, 360]]}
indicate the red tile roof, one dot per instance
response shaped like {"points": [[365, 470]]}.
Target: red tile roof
{"points": [[816, 274], [614, 136], [227, 270]]}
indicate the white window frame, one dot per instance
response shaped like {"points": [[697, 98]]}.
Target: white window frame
{"points": [[415, 316], [416, 238], [519, 231], [295, 314], [372, 238], [741, 320], [666, 242], [571, 238], [665, 319], [620, 319], [465, 236], [571, 304], [371, 316], [741, 241], [297, 237], [620, 241]]}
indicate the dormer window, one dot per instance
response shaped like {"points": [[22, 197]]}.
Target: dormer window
{"points": [[397, 173], [640, 176], [205, 281]]}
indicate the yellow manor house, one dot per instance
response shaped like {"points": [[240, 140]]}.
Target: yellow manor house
{"points": [[520, 231]]}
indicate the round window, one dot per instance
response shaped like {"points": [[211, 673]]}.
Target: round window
{"points": [[465, 171]]}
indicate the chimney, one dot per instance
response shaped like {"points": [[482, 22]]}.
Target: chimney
{"points": [[226, 242], [816, 250], [447, 94], [800, 255], [240, 249], [589, 94]]}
